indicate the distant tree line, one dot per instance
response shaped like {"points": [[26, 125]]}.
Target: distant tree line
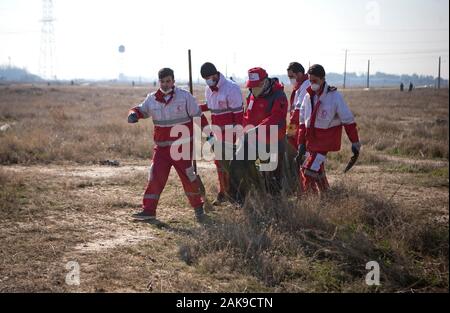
{"points": [[379, 79], [11, 73]]}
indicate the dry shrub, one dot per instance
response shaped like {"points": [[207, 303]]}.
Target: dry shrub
{"points": [[12, 194], [93, 119], [78, 124], [333, 236]]}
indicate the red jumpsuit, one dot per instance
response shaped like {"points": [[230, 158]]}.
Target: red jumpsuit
{"points": [[169, 113]]}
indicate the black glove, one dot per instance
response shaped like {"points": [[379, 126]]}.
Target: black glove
{"points": [[356, 146], [133, 118], [300, 153]]}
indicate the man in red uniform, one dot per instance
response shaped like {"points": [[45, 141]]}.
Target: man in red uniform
{"points": [[323, 114], [171, 109], [224, 100], [267, 108]]}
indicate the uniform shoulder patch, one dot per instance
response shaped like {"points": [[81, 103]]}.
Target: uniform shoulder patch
{"points": [[332, 89], [182, 91]]}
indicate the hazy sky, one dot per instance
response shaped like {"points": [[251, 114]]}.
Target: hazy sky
{"points": [[399, 36]]}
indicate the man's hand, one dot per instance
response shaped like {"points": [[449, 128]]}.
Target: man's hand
{"points": [[291, 131], [133, 118], [356, 146]]}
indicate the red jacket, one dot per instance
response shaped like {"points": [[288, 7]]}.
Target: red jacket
{"points": [[178, 108], [225, 103], [322, 117], [260, 113]]}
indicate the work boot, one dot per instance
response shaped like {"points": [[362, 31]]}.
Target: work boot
{"points": [[200, 214], [144, 216], [221, 198]]}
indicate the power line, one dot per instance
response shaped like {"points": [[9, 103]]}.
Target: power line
{"points": [[382, 53], [412, 57], [400, 52], [405, 30], [394, 42]]}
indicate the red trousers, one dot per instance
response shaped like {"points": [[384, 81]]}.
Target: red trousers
{"points": [[162, 162], [312, 173]]}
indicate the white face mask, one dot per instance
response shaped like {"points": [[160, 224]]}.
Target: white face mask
{"points": [[315, 87], [293, 81], [210, 82], [166, 92]]}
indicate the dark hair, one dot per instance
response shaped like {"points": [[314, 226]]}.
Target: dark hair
{"points": [[296, 68], [208, 69], [317, 70], [164, 72]]}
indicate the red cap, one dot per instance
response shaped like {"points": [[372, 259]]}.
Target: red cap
{"points": [[255, 76]]}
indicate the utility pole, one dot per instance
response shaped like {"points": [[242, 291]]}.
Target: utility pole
{"points": [[345, 68], [194, 151], [191, 87], [368, 74], [439, 74]]}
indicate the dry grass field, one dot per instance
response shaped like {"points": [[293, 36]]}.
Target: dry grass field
{"points": [[58, 204]]}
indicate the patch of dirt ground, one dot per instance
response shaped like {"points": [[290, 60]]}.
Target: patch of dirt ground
{"points": [[83, 215]]}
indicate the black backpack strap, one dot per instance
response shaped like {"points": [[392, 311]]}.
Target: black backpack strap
{"points": [[271, 99]]}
